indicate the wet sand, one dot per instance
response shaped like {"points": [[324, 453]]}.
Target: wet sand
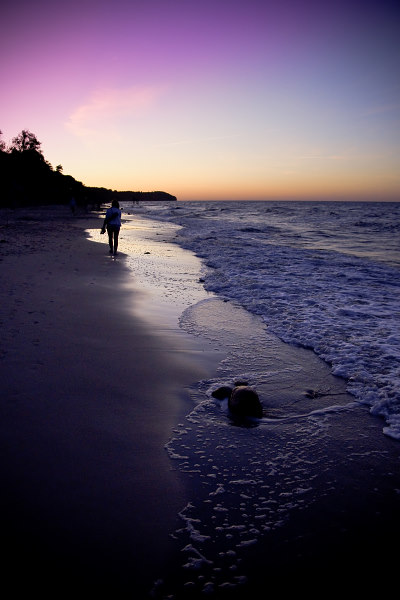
{"points": [[306, 502], [333, 475]]}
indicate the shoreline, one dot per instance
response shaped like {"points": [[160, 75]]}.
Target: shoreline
{"points": [[352, 494], [92, 395], [99, 380]]}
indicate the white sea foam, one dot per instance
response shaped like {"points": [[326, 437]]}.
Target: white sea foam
{"points": [[321, 275], [314, 286]]}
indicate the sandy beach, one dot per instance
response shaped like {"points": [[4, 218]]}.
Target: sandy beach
{"points": [[95, 378], [90, 395]]}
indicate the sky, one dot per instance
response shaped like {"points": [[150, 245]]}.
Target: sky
{"points": [[218, 99]]}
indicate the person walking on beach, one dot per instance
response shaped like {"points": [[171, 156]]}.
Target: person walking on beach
{"points": [[113, 224], [72, 205]]}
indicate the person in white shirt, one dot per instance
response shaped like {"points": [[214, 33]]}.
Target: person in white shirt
{"points": [[113, 224]]}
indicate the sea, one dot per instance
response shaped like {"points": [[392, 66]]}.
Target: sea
{"points": [[304, 299], [322, 275]]}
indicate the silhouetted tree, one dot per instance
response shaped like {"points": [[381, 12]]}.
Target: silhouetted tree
{"points": [[25, 141]]}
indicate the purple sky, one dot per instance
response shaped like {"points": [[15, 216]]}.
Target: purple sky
{"points": [[222, 99]]}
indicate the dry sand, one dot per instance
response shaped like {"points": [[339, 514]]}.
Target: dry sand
{"points": [[89, 397]]}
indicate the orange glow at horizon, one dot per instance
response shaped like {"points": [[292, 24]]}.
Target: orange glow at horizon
{"points": [[279, 104]]}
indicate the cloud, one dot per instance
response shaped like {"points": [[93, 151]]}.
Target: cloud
{"points": [[106, 106], [324, 157], [341, 154]]}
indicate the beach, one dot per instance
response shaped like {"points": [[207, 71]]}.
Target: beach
{"points": [[104, 458], [90, 395]]}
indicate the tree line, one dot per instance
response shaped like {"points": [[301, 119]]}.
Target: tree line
{"points": [[28, 179]]}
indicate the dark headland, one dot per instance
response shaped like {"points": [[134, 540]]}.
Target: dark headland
{"points": [[28, 179]]}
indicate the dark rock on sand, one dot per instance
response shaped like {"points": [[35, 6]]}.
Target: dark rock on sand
{"points": [[222, 392], [243, 401]]}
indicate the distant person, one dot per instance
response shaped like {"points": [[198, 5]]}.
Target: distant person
{"points": [[113, 224], [72, 205]]}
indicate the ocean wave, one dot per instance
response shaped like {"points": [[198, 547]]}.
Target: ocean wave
{"points": [[334, 298]]}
